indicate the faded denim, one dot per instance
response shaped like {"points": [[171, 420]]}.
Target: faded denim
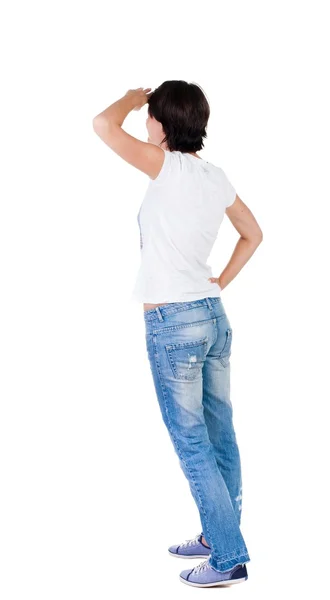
{"points": [[189, 348]]}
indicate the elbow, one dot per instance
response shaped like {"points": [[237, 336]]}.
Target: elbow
{"points": [[255, 239], [102, 129], [98, 123], [105, 129], [257, 235]]}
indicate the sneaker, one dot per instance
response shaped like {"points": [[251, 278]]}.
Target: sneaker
{"points": [[205, 576], [190, 548]]}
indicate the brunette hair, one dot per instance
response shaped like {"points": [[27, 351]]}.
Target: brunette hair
{"points": [[183, 111]]}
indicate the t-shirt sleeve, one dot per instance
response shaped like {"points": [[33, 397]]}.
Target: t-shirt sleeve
{"points": [[229, 192], [165, 168]]}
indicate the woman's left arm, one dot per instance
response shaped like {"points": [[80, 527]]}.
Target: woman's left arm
{"points": [[108, 126]]}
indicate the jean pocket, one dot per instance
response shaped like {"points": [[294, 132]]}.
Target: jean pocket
{"points": [[187, 358], [226, 350]]}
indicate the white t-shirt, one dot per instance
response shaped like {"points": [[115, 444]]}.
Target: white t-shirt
{"points": [[179, 220]]}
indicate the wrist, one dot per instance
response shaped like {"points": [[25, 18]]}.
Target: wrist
{"points": [[131, 100]]}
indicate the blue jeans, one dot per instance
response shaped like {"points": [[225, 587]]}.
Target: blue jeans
{"points": [[189, 348]]}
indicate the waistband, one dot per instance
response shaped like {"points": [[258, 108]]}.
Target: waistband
{"points": [[156, 314]]}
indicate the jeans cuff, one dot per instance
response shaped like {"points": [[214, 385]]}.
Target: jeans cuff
{"points": [[227, 565]]}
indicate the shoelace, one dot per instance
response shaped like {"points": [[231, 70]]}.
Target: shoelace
{"points": [[192, 542], [202, 566]]}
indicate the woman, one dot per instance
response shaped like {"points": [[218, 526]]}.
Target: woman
{"points": [[188, 334]]}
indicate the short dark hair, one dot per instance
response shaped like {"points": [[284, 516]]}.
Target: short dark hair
{"points": [[183, 111]]}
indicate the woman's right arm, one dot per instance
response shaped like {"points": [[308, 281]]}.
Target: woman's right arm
{"points": [[250, 238]]}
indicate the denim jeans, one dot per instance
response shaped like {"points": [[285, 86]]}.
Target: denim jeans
{"points": [[189, 348]]}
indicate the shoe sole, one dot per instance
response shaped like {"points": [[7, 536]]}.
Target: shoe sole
{"points": [[215, 584], [189, 556]]}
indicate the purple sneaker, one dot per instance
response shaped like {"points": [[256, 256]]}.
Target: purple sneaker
{"points": [[190, 548], [205, 576]]}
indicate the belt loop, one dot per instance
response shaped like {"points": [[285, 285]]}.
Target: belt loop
{"points": [[160, 316], [209, 303]]}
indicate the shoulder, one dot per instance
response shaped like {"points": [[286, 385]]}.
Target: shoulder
{"points": [[172, 164]]}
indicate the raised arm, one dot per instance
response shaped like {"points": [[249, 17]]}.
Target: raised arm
{"points": [[145, 156]]}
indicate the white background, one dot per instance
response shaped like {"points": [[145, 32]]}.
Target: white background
{"points": [[92, 493]]}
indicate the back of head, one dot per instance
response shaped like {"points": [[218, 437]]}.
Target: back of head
{"points": [[183, 111]]}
